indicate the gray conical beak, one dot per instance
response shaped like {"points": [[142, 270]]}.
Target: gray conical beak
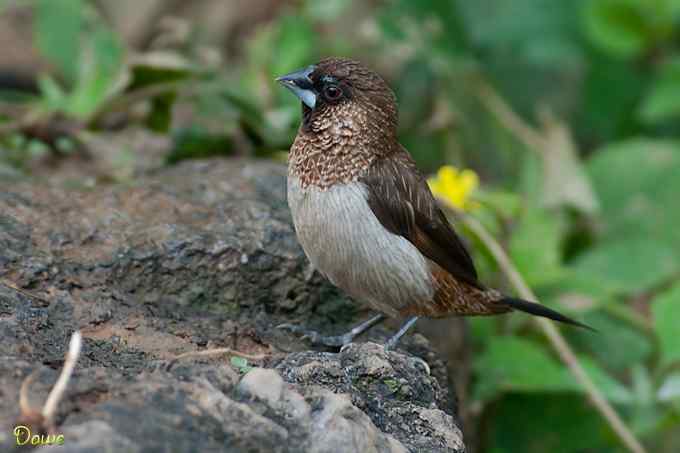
{"points": [[301, 85]]}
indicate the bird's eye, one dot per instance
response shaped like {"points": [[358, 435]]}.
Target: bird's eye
{"points": [[332, 92]]}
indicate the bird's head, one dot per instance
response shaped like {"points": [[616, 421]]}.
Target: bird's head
{"points": [[343, 95]]}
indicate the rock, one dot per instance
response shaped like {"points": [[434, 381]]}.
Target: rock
{"points": [[396, 390], [93, 436], [323, 421], [196, 256], [265, 385]]}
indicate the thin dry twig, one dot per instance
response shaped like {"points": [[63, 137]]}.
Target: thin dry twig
{"points": [[23, 292], [556, 339], [24, 404], [57, 393], [511, 120], [217, 351], [45, 418]]}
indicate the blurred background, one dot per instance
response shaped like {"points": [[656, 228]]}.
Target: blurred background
{"points": [[567, 110]]}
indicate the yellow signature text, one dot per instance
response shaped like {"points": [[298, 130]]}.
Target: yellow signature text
{"points": [[25, 437]]}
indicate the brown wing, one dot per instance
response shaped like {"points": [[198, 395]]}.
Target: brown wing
{"points": [[401, 200]]}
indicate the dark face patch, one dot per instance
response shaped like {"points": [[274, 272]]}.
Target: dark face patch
{"points": [[347, 92], [330, 89]]}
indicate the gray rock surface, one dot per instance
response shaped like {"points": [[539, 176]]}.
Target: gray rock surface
{"points": [[186, 258]]}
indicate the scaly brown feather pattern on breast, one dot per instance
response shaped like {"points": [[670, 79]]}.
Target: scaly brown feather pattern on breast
{"points": [[338, 142]]}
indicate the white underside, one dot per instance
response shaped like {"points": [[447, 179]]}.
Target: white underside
{"points": [[346, 242]]}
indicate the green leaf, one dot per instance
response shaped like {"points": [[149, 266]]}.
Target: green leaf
{"points": [[646, 416], [503, 203], [642, 386], [663, 98], [415, 88], [435, 25], [637, 184], [99, 78], [241, 364], [197, 143], [519, 365], [58, 24], [621, 347], [666, 313], [618, 27], [535, 246], [294, 45], [629, 266], [160, 118], [670, 388], [160, 66], [574, 284], [510, 363], [610, 388], [499, 24], [546, 423], [602, 117], [326, 10], [156, 68], [53, 96]]}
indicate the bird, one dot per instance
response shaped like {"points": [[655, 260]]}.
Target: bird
{"points": [[364, 214]]}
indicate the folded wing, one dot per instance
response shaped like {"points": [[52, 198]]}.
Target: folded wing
{"points": [[403, 203]]}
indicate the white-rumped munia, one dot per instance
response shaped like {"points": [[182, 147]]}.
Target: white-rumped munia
{"points": [[364, 214]]}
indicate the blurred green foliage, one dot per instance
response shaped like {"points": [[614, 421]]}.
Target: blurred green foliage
{"points": [[85, 52], [584, 191]]}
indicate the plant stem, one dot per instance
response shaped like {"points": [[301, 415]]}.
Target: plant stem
{"points": [[631, 317], [556, 339], [509, 119]]}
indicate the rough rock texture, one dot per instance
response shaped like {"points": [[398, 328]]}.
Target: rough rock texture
{"points": [[186, 258], [397, 390]]}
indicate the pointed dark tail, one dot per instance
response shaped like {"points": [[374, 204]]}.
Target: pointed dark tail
{"points": [[540, 310]]}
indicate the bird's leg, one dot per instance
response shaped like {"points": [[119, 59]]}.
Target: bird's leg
{"points": [[392, 342], [335, 340]]}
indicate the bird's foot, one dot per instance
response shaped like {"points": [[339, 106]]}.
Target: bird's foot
{"points": [[392, 342], [333, 341]]}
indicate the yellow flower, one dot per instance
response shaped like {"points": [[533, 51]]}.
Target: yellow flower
{"points": [[455, 186]]}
